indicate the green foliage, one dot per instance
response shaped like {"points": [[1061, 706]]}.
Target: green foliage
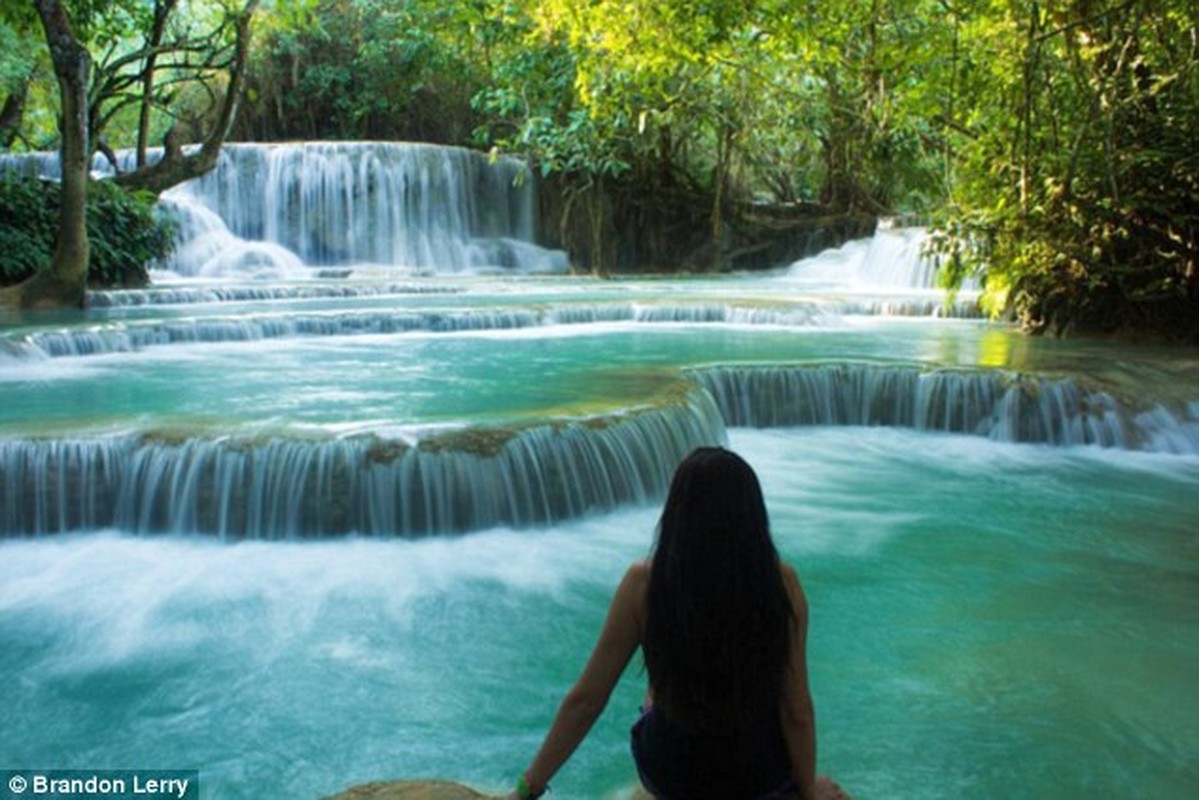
{"points": [[1080, 178], [364, 69], [743, 101], [27, 234], [770, 100], [17, 56], [125, 231]]}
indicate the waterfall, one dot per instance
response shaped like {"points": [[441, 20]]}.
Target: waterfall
{"points": [[1165, 432], [30, 165], [999, 405], [292, 487], [273, 210], [896, 257], [417, 206], [204, 245], [893, 258]]}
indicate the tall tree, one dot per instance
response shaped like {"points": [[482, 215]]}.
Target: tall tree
{"points": [[63, 281], [86, 106]]}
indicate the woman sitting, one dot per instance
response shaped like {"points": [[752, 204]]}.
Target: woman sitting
{"points": [[722, 624]]}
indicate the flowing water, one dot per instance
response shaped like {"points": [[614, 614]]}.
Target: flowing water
{"points": [[322, 516]]}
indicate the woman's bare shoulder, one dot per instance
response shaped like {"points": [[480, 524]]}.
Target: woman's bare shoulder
{"points": [[640, 570], [793, 586], [632, 594], [636, 580]]}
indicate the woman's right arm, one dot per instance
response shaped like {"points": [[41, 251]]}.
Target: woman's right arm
{"points": [[798, 714], [582, 705]]}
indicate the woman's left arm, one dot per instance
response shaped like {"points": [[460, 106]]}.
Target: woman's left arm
{"points": [[798, 715], [581, 706]]}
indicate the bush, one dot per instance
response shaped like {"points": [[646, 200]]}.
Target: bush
{"points": [[27, 232], [124, 230]]}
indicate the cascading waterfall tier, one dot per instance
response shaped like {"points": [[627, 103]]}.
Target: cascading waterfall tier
{"points": [[277, 488], [1003, 406], [429, 207], [892, 259], [272, 487], [217, 293], [274, 210], [128, 337]]}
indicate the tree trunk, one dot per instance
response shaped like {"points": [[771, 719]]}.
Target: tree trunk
{"points": [[720, 182], [162, 11], [13, 112], [64, 281], [599, 265]]}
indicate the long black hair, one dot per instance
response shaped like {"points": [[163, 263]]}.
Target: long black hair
{"points": [[719, 620]]}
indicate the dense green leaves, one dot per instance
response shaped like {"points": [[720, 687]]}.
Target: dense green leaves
{"points": [[365, 69], [27, 235], [1079, 178], [125, 231]]}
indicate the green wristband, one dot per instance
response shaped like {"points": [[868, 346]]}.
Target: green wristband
{"points": [[525, 791]]}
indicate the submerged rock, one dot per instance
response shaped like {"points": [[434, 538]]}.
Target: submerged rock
{"points": [[410, 790], [826, 789]]}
